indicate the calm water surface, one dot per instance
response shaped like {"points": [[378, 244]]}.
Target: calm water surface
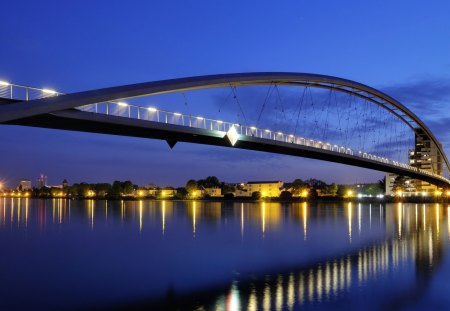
{"points": [[176, 255]]}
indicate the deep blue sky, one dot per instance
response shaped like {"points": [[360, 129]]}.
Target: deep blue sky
{"points": [[402, 47]]}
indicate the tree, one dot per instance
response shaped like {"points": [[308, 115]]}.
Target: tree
{"points": [[191, 186], [285, 195], [127, 187], [342, 191], [313, 195], [116, 189], [399, 184], [256, 195], [333, 189]]}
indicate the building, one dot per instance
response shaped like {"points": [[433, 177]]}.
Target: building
{"points": [[266, 188], [424, 156], [167, 192], [41, 181], [213, 192], [65, 183], [24, 184]]}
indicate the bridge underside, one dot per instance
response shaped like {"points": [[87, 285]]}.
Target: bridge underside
{"points": [[76, 120]]}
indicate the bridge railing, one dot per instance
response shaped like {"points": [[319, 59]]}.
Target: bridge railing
{"points": [[123, 109], [24, 93]]}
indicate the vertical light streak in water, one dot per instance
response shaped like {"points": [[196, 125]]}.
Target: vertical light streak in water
{"points": [[53, 210], [233, 299], [263, 217], [350, 216], [416, 216], [106, 211], [438, 220], [140, 216], [163, 216], [448, 221], [359, 218], [399, 219], [311, 286], [60, 211], [18, 212], [252, 300], [194, 211], [349, 272], [370, 216], [291, 292], [267, 298], [360, 276], [122, 211], [334, 286], [279, 294], [327, 280], [91, 212], [242, 220], [319, 287], [301, 289], [305, 220], [4, 211], [342, 274], [26, 212], [69, 211], [12, 211], [424, 217], [430, 248]]}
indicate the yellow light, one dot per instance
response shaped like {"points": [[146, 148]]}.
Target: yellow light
{"points": [[48, 91], [123, 104], [163, 193], [140, 193], [4, 83], [350, 193], [448, 192], [263, 194], [437, 193], [399, 193], [152, 109], [304, 193], [424, 194]]}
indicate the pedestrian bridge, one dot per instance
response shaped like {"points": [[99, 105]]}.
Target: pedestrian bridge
{"points": [[106, 111]]}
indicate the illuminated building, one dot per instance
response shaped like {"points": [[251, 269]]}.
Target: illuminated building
{"points": [[266, 188], [42, 181], [24, 184]]}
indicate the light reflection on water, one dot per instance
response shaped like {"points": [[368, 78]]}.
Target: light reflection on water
{"points": [[308, 256]]}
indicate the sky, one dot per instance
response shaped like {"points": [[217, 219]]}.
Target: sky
{"points": [[400, 47]]}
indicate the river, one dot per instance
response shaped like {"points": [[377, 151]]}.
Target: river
{"points": [[200, 255]]}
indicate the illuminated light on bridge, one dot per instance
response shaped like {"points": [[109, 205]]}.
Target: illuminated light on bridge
{"points": [[232, 135], [48, 91], [122, 104], [152, 109], [4, 83]]}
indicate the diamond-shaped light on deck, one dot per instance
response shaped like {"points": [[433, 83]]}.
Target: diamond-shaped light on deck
{"points": [[232, 135]]}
